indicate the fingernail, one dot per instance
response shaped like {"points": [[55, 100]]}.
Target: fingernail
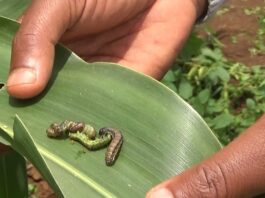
{"points": [[160, 193], [21, 76]]}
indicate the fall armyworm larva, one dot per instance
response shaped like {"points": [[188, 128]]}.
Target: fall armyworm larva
{"points": [[115, 144]]}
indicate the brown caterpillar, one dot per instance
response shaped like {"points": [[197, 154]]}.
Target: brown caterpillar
{"points": [[114, 146], [58, 130]]}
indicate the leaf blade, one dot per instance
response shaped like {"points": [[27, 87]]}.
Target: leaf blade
{"points": [[13, 183], [160, 129]]}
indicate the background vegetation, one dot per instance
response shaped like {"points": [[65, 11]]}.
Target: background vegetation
{"points": [[228, 93], [230, 96]]}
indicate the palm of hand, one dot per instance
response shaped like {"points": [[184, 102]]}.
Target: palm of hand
{"points": [[142, 40]]}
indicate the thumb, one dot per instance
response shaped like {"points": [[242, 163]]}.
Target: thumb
{"points": [[42, 25], [236, 171]]}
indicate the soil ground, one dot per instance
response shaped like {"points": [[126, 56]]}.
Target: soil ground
{"points": [[236, 31]]}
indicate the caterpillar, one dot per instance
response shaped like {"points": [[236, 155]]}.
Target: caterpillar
{"points": [[95, 144], [58, 130], [87, 136], [115, 144]]}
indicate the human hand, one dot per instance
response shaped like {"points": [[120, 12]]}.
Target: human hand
{"points": [[144, 35], [236, 171]]}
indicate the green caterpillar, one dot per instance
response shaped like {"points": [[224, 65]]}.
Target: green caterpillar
{"points": [[95, 144]]}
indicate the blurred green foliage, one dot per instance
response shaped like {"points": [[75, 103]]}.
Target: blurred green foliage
{"points": [[229, 96]]}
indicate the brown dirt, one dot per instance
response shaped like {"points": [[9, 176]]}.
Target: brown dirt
{"points": [[42, 189], [234, 23]]}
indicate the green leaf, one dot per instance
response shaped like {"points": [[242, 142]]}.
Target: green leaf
{"points": [[192, 47], [185, 89], [163, 135], [223, 120], [13, 178], [223, 74], [214, 106], [215, 54], [250, 103], [13, 8], [197, 105], [219, 73], [169, 77], [204, 96], [170, 85]]}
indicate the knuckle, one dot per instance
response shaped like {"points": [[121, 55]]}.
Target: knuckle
{"points": [[211, 181], [183, 194]]}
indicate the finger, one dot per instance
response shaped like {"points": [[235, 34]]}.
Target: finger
{"points": [[236, 171], [33, 47]]}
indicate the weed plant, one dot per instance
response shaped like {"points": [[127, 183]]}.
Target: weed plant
{"points": [[229, 96]]}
